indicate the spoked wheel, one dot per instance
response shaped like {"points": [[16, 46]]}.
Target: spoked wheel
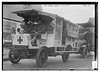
{"points": [[41, 57], [13, 58], [65, 57], [84, 53]]}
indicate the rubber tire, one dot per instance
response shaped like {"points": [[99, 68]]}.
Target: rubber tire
{"points": [[11, 59], [65, 57], [84, 53], [39, 64]]}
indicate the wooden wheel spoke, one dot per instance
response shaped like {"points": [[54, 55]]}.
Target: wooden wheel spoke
{"points": [[44, 54], [41, 57]]}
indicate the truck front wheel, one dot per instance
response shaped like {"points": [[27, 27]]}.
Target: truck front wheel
{"points": [[13, 58], [41, 57]]}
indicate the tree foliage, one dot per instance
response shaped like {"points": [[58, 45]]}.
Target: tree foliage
{"points": [[85, 33]]}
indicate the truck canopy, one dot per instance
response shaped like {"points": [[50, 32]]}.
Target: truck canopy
{"points": [[34, 14]]}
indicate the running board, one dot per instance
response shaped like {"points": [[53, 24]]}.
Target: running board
{"points": [[66, 51]]}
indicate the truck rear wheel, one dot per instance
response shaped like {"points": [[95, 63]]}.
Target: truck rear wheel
{"points": [[65, 57], [84, 53], [41, 57], [13, 58]]}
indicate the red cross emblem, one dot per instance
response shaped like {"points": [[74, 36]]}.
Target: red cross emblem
{"points": [[20, 40]]}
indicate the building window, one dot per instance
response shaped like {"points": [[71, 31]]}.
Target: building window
{"points": [[73, 44], [73, 28], [76, 44], [69, 38], [76, 29], [69, 27], [73, 39], [13, 30]]}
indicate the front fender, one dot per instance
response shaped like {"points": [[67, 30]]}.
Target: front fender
{"points": [[81, 48]]}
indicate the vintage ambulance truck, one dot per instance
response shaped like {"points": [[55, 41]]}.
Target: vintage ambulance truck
{"points": [[61, 38]]}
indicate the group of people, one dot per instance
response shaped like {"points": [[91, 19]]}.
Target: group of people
{"points": [[33, 28]]}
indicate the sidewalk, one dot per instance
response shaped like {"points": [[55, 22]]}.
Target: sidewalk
{"points": [[5, 54]]}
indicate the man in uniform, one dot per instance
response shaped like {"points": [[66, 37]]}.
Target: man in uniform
{"points": [[35, 29]]}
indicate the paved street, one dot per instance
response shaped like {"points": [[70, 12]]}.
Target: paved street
{"points": [[75, 61]]}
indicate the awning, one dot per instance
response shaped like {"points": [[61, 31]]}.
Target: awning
{"points": [[87, 24], [73, 34], [33, 13]]}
